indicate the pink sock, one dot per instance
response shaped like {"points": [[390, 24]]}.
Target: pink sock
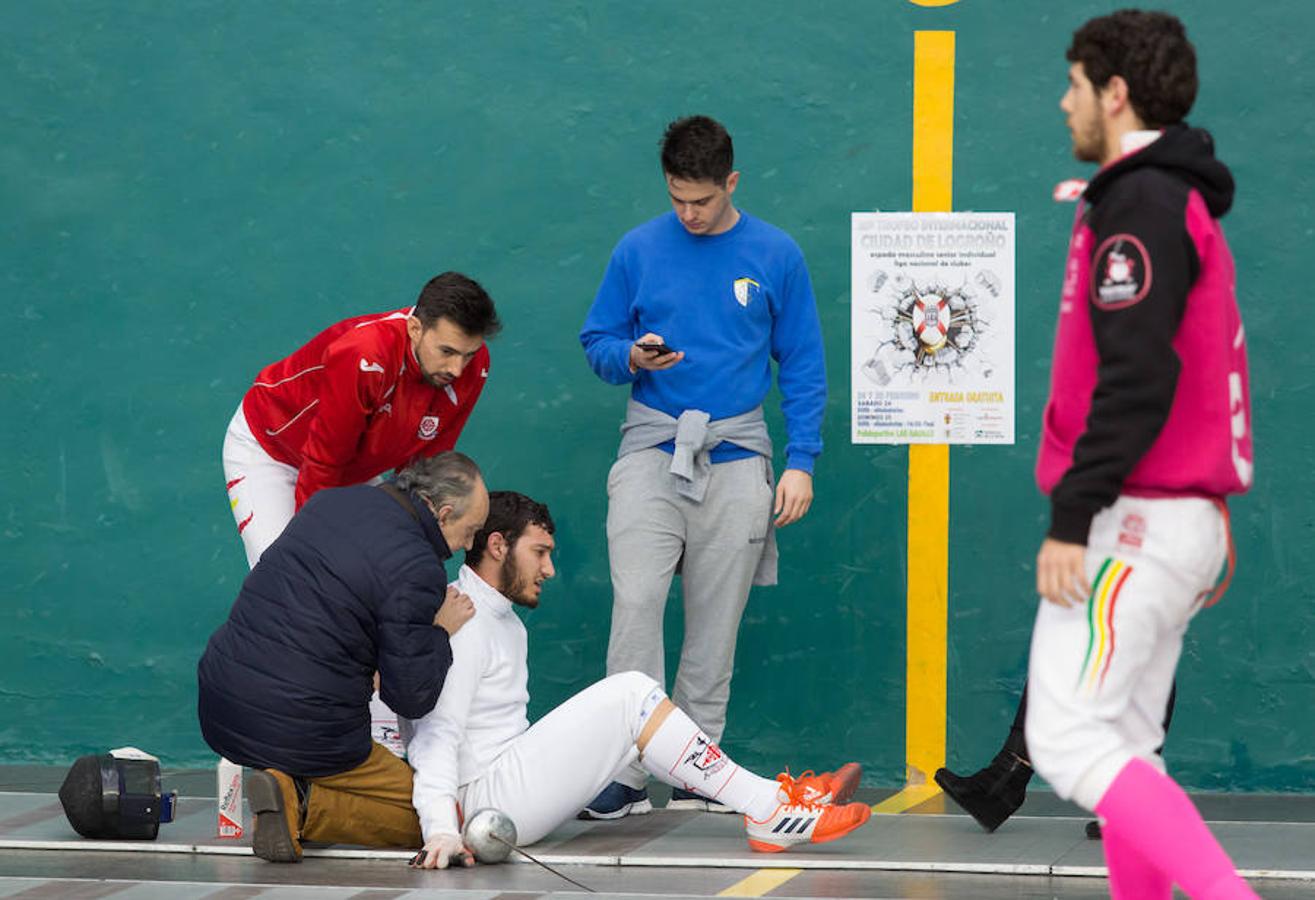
{"points": [[1132, 876], [1150, 813]]}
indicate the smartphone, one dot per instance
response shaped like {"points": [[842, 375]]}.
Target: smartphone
{"points": [[655, 347]]}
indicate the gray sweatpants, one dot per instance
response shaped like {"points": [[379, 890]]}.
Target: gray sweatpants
{"points": [[717, 544]]}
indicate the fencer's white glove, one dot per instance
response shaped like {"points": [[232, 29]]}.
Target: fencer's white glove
{"points": [[443, 850]]}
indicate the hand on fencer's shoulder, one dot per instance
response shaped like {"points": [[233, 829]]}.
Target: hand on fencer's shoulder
{"points": [[651, 359], [794, 495], [443, 850], [457, 610], [1061, 572]]}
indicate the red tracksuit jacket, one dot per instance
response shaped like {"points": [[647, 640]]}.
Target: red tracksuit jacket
{"points": [[351, 404]]}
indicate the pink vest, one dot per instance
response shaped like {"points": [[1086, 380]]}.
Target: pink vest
{"points": [[1204, 448]]}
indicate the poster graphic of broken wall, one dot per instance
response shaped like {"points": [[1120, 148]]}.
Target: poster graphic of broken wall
{"points": [[932, 328]]}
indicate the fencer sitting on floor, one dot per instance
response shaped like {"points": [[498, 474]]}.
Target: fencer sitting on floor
{"points": [[477, 748]]}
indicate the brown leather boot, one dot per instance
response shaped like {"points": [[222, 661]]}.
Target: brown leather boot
{"points": [[277, 810]]}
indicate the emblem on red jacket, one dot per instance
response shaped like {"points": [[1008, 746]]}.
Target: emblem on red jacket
{"points": [[1121, 272], [428, 428]]}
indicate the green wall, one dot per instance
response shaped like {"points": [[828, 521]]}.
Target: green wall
{"points": [[190, 190]]}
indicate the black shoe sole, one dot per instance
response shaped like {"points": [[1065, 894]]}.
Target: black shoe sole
{"points": [[270, 838], [698, 804]]}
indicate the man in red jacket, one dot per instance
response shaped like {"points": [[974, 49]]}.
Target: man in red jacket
{"points": [[366, 395]]}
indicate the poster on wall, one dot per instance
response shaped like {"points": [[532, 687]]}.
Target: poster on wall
{"points": [[932, 322]]}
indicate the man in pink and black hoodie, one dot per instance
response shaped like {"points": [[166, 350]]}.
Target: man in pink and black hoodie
{"points": [[1146, 431]]}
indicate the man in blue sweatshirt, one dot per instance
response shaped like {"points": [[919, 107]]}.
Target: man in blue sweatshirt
{"points": [[693, 307]]}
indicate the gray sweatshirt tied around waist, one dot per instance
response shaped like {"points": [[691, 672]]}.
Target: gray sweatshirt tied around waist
{"points": [[695, 434]]}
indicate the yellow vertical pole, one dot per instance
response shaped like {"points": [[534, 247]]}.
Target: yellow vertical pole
{"points": [[929, 464]]}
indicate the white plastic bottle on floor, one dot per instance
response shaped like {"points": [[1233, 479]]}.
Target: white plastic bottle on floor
{"points": [[230, 799]]}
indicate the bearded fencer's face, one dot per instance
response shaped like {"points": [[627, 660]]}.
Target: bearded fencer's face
{"points": [[527, 565]]}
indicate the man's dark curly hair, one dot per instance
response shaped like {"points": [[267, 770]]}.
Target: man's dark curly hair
{"points": [[462, 301], [510, 514], [697, 148], [1150, 50]]}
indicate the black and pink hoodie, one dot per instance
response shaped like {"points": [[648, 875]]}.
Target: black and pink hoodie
{"points": [[1148, 387]]}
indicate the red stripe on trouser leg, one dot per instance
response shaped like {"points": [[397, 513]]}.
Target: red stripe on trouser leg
{"points": [[245, 522], [1109, 625]]}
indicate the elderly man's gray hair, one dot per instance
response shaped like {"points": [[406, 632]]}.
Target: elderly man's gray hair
{"points": [[447, 479]]}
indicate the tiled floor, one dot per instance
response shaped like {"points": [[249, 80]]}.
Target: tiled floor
{"points": [[927, 852]]}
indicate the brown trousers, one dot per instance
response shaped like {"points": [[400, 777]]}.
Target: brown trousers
{"points": [[368, 805]]}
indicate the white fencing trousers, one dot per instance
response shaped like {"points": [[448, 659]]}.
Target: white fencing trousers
{"points": [[550, 771], [263, 495], [261, 490], [1099, 675]]}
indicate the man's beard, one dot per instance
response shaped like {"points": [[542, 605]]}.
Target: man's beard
{"points": [[515, 588], [1089, 143], [437, 379]]}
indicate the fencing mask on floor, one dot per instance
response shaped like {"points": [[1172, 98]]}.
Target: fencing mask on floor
{"points": [[116, 796]]}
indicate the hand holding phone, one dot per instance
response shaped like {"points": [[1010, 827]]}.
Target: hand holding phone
{"points": [[652, 353]]}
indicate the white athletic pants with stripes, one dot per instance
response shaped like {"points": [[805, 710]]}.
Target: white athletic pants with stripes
{"points": [[261, 490], [262, 493], [1099, 674]]}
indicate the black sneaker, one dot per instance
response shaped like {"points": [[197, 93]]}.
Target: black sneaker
{"points": [[688, 800], [1093, 830], [990, 795], [616, 801]]}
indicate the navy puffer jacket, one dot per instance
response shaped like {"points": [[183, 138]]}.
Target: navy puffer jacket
{"points": [[351, 586]]}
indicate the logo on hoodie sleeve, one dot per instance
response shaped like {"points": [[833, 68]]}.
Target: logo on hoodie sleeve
{"points": [[1120, 272]]}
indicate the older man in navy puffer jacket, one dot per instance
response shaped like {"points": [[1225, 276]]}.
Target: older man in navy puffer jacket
{"points": [[354, 585]]}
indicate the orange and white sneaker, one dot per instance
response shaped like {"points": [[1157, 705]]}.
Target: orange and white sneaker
{"points": [[831, 787], [798, 820]]}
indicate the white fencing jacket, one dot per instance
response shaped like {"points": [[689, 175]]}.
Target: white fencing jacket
{"points": [[482, 707]]}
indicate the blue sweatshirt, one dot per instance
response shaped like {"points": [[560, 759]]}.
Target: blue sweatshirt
{"points": [[732, 302]]}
